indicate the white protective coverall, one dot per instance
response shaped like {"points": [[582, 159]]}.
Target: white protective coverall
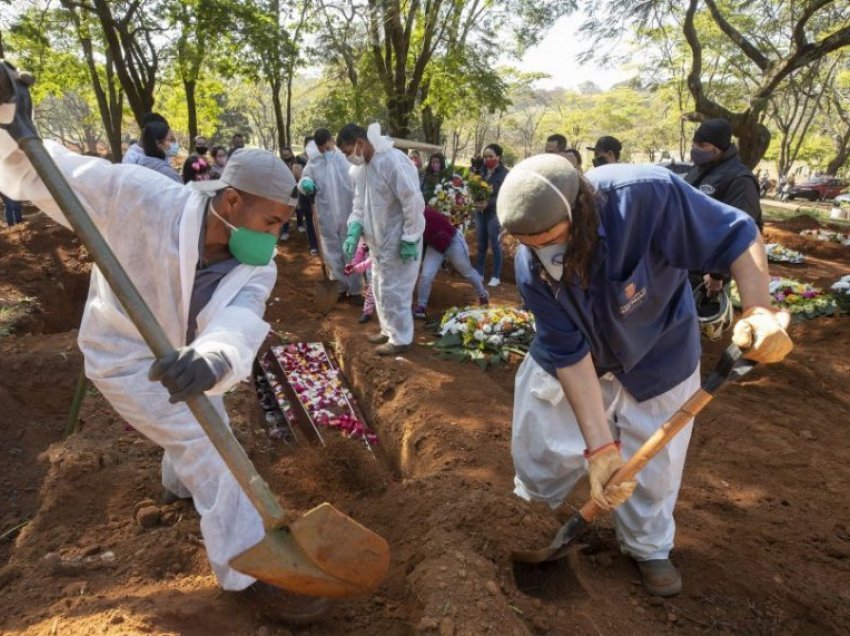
{"points": [[548, 452], [334, 196], [389, 205], [153, 226]]}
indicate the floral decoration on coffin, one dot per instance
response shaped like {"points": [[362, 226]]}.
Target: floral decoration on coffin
{"points": [[841, 292], [777, 253], [802, 300], [453, 199], [487, 335], [829, 236]]}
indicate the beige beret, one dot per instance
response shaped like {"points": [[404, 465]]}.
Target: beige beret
{"points": [[538, 193]]}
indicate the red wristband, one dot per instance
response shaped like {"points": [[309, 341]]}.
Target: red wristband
{"points": [[590, 453]]}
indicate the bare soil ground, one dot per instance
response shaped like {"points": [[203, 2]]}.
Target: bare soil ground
{"points": [[763, 531]]}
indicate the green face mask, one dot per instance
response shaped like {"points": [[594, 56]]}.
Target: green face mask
{"points": [[247, 246]]}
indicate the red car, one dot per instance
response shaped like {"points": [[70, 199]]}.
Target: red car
{"points": [[818, 189]]}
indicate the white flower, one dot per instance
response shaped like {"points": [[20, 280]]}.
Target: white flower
{"points": [[488, 329], [479, 335], [455, 328], [519, 332], [841, 285], [495, 340]]}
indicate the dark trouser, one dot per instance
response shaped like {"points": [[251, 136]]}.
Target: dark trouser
{"points": [[487, 230], [14, 210], [304, 217]]}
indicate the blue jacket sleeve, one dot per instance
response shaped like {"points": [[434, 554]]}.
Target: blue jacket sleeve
{"points": [[558, 341], [698, 233]]}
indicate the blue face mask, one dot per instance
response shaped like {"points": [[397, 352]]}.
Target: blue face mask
{"points": [[328, 154], [173, 149]]}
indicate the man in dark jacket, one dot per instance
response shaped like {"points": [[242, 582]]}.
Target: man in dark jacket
{"points": [[719, 172]]}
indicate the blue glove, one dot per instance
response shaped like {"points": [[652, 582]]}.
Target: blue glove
{"points": [[350, 244], [409, 251], [186, 373], [307, 186]]}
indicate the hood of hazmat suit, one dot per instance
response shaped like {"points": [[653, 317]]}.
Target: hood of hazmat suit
{"points": [[389, 205], [153, 226]]}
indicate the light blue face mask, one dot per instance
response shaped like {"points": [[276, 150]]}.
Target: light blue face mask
{"points": [[328, 154], [173, 149]]}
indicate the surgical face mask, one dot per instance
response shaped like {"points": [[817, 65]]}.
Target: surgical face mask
{"points": [[328, 154], [201, 150], [599, 161], [701, 157], [552, 257], [173, 149], [248, 246], [356, 160]]}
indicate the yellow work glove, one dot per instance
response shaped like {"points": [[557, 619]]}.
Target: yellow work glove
{"points": [[601, 466], [761, 335]]}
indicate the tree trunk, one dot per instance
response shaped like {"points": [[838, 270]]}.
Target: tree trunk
{"points": [[842, 154], [753, 141], [399, 108], [432, 126], [278, 116], [288, 131], [192, 111]]}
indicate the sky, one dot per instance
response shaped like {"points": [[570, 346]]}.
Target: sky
{"points": [[556, 55]]}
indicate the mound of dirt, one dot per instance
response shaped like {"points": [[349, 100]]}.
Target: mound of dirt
{"points": [[42, 260], [762, 534]]}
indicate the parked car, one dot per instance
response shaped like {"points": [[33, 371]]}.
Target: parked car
{"points": [[818, 189], [840, 207]]}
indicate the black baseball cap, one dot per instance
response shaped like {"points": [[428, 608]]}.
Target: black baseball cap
{"points": [[606, 144]]}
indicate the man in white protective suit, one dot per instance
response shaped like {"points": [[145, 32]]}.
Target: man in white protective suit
{"points": [[201, 258], [389, 212], [326, 176]]}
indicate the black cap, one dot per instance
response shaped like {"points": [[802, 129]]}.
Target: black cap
{"points": [[717, 132], [606, 144]]}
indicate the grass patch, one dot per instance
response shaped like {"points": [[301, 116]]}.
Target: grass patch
{"points": [[12, 311], [821, 215]]}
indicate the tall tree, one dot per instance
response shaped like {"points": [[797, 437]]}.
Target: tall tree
{"points": [[773, 39]]}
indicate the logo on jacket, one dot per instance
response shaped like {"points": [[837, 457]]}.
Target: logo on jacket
{"points": [[630, 291], [707, 189]]}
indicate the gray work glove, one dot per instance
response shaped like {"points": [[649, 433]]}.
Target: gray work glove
{"points": [[186, 373]]}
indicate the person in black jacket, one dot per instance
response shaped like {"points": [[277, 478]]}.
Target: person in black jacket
{"points": [[719, 172]]}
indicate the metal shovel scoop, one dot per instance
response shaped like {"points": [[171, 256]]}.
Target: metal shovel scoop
{"points": [[323, 553], [732, 366]]}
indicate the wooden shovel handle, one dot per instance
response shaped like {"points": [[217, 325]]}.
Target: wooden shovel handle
{"points": [[731, 366]]}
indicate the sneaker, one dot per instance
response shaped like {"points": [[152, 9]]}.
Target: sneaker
{"points": [[389, 349], [276, 604], [484, 300], [494, 282], [284, 236], [301, 229], [419, 312], [660, 577], [364, 318], [377, 338]]}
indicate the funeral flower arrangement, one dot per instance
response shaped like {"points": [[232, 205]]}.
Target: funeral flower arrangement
{"points": [[841, 293], [453, 199], [478, 187], [829, 236], [486, 335], [777, 253], [802, 300]]}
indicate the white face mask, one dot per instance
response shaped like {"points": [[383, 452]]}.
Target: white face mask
{"points": [[552, 257], [356, 160]]}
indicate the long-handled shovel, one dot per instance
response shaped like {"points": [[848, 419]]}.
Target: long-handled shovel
{"points": [[732, 366], [323, 553], [325, 291]]}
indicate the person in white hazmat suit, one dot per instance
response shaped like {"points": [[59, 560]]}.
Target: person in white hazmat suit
{"points": [[327, 176], [603, 267], [389, 212], [202, 260]]}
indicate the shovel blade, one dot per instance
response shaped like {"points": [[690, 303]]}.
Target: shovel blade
{"points": [[560, 547], [326, 293], [324, 553]]}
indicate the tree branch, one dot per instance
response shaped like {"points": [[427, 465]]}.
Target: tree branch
{"points": [[749, 49]]}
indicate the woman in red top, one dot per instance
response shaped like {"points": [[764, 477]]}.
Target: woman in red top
{"points": [[442, 240]]}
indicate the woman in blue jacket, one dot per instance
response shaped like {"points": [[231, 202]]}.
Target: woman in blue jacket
{"points": [[603, 267]]}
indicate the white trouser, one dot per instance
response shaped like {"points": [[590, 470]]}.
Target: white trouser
{"points": [[332, 234], [392, 285], [458, 255], [547, 448], [192, 466]]}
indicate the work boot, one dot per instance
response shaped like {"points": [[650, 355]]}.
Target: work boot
{"points": [[389, 349], [419, 312], [484, 301], [660, 577], [377, 338], [276, 604]]}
